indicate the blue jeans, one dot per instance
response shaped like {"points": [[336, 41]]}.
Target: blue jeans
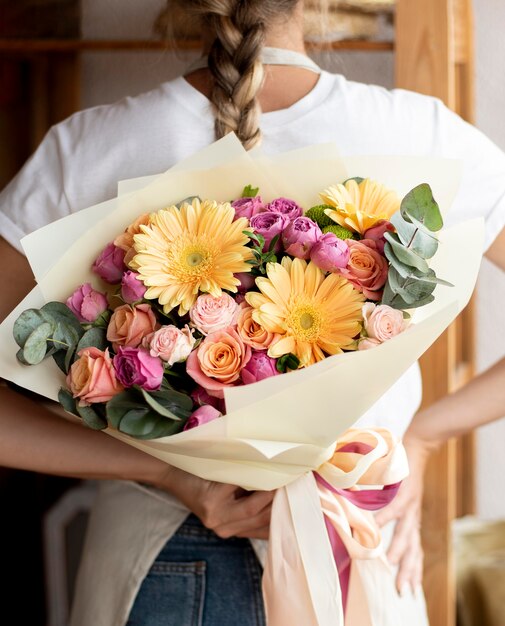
{"points": [[199, 579]]}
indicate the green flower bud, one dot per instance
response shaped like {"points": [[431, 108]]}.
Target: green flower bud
{"points": [[317, 214], [340, 232]]}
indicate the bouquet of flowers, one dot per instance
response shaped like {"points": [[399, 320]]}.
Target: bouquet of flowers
{"points": [[188, 312]]}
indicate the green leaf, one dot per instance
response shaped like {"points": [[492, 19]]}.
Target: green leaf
{"points": [[148, 425], [420, 204], [25, 324], [91, 418], [64, 337], [415, 237], [287, 362], [60, 312], [158, 407], [67, 401], [20, 357], [35, 347], [358, 179], [404, 255], [187, 200], [60, 358], [119, 405], [93, 338], [250, 192]]}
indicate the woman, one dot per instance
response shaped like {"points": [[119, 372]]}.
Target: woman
{"points": [[132, 571]]}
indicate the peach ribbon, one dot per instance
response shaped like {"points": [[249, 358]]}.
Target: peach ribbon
{"points": [[301, 584]]}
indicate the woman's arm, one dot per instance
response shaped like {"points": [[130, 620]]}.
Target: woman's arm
{"points": [[33, 438], [479, 402]]}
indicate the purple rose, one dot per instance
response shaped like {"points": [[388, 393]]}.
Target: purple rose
{"points": [[135, 366], [247, 281], [286, 207], [299, 236], [377, 233], [201, 397], [248, 207], [330, 253], [259, 367], [132, 290], [202, 415], [87, 304], [269, 225], [110, 264]]}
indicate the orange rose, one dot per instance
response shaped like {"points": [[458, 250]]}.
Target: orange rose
{"points": [[218, 361], [92, 377], [251, 332], [130, 324], [125, 241]]}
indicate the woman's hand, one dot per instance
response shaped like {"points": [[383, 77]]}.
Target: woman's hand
{"points": [[226, 509], [405, 549]]}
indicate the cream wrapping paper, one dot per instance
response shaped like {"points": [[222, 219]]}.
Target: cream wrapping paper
{"points": [[265, 440]]}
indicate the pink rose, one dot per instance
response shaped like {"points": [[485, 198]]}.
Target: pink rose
{"points": [[247, 207], [368, 344], [210, 314], [202, 415], [382, 322], [109, 264], [130, 324], [171, 344], [201, 397], [251, 332], [92, 377], [366, 269], [132, 289], [135, 366], [269, 225], [259, 367], [285, 207], [330, 253], [218, 361], [377, 233], [299, 236], [87, 304]]}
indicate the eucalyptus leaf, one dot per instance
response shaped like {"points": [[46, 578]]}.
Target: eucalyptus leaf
{"points": [[91, 418], [35, 348], [123, 402], [404, 255], [65, 336], [188, 200], [148, 425], [67, 401], [358, 179], [60, 312], [60, 358], [414, 237], [158, 407], [420, 204], [169, 403], [93, 338], [20, 357], [25, 324]]}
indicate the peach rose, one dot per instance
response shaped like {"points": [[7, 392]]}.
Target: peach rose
{"points": [[382, 322], [125, 240], [218, 361], [130, 324], [210, 313], [92, 377], [366, 269], [251, 332]]}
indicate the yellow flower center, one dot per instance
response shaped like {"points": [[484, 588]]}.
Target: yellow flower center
{"points": [[305, 322], [191, 261]]}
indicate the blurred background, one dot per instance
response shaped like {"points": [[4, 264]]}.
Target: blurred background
{"points": [[59, 56]]}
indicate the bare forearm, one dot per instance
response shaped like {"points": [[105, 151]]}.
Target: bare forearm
{"points": [[479, 402], [34, 439]]}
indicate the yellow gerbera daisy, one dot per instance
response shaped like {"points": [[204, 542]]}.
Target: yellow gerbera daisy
{"points": [[314, 315], [197, 248], [359, 206]]}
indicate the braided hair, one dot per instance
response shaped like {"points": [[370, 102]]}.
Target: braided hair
{"points": [[237, 73]]}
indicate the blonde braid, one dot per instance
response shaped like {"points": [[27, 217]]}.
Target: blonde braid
{"points": [[234, 58]]}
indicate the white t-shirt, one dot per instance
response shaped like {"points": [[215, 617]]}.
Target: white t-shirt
{"points": [[79, 164]]}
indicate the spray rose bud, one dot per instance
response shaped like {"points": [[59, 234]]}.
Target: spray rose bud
{"points": [[299, 236], [259, 367], [285, 207], [171, 344], [248, 207], [135, 366], [132, 289], [87, 304], [109, 264], [270, 225], [376, 233], [210, 313], [202, 415], [330, 253]]}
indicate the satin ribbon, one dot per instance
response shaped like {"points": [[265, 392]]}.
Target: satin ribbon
{"points": [[325, 551]]}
